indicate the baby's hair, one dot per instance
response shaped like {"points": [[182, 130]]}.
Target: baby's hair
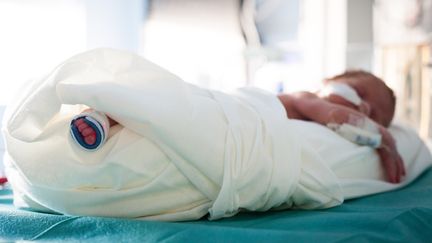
{"points": [[361, 74]]}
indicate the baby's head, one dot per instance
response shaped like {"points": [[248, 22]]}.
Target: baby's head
{"points": [[377, 99]]}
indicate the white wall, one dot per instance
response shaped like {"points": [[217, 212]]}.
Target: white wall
{"points": [[348, 32], [115, 23], [401, 22], [335, 32], [2, 146], [200, 41], [277, 21], [329, 36], [35, 36], [360, 47]]}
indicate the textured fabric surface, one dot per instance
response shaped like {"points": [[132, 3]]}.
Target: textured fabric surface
{"points": [[404, 215], [179, 151]]}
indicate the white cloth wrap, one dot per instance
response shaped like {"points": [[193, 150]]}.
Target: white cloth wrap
{"points": [[179, 152]]}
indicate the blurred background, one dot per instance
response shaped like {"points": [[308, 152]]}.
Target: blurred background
{"points": [[278, 45]]}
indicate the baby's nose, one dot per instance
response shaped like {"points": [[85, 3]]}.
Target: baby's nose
{"points": [[364, 108]]}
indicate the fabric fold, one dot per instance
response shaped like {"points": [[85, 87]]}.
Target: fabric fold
{"points": [[178, 152]]}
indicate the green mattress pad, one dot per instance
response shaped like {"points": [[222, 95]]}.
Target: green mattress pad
{"points": [[404, 215]]}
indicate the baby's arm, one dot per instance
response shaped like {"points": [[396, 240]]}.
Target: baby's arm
{"points": [[308, 106]]}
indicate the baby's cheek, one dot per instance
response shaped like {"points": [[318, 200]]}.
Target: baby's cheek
{"points": [[365, 108]]}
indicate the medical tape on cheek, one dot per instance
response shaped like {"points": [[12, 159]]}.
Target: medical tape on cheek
{"points": [[343, 90]]}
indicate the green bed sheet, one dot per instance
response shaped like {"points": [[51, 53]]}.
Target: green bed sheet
{"points": [[404, 215]]}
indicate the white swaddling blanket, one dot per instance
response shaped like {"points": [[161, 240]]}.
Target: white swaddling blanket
{"points": [[180, 152], [182, 149]]}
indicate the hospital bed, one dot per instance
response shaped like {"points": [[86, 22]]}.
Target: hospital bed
{"points": [[404, 215]]}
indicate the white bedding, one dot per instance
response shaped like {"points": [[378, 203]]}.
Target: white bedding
{"points": [[181, 151], [358, 167]]}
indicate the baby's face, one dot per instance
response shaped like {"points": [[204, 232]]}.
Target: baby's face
{"points": [[377, 99]]}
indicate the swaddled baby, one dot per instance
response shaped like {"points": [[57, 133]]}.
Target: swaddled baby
{"points": [[356, 104], [373, 109]]}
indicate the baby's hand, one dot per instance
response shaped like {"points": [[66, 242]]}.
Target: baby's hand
{"points": [[390, 159]]}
